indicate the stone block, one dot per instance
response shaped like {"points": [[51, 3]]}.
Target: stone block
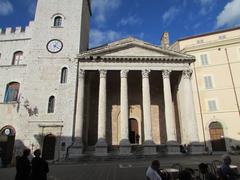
{"points": [[75, 152], [196, 148], [173, 148]]}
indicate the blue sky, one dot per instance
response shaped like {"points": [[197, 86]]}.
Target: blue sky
{"points": [[144, 19]]}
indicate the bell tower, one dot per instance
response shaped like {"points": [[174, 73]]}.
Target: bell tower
{"points": [[61, 27]]}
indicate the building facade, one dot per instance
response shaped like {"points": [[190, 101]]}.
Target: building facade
{"points": [[216, 86], [128, 97]]}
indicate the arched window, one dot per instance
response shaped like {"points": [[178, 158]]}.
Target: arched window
{"points": [[51, 104], [57, 21], [64, 75], [17, 58], [11, 93]]}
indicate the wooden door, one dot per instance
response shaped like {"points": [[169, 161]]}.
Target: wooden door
{"points": [[217, 137], [133, 131], [49, 144]]}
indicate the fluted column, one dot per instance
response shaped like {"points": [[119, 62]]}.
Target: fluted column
{"points": [[80, 108], [146, 106], [75, 151], [169, 111], [102, 108], [190, 119], [124, 108]]}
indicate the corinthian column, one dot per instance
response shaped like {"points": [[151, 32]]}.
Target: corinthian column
{"points": [[124, 143], [146, 106], [149, 146], [189, 108], [169, 116], [76, 149], [101, 146]]}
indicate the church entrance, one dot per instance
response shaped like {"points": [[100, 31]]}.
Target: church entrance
{"points": [[217, 137], [133, 131], [7, 139], [49, 144]]}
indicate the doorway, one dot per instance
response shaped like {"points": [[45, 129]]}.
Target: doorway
{"points": [[133, 131], [217, 137], [49, 144], [7, 139]]}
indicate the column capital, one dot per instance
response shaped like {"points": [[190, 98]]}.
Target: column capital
{"points": [[187, 74], [81, 73], [145, 73], [166, 74], [102, 73], [124, 73]]}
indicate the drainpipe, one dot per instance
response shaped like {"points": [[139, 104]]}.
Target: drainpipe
{"points": [[233, 84]]}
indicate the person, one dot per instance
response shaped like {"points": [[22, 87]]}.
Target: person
{"points": [[39, 167], [225, 171], [1, 154], [23, 166], [153, 171], [186, 174], [206, 174]]}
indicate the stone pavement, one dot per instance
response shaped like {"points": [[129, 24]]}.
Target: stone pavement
{"points": [[115, 170]]}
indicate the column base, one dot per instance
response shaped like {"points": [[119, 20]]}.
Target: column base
{"points": [[125, 147], [101, 148], [76, 151], [149, 148], [173, 148], [196, 148]]}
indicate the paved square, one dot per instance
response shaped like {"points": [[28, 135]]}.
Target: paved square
{"points": [[115, 170]]}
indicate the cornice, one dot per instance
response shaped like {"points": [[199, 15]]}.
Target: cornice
{"points": [[130, 59], [213, 44]]}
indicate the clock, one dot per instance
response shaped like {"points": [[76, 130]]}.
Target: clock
{"points": [[54, 46]]}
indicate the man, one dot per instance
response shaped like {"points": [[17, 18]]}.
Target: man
{"points": [[39, 167], [206, 174], [153, 171], [23, 166], [225, 171]]}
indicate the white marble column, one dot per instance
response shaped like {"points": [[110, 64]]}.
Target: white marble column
{"points": [[146, 106], [124, 108], [125, 147], [76, 149], [169, 111], [101, 146], [102, 107], [189, 108]]}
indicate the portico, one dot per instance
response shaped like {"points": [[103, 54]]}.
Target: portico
{"points": [[148, 87]]}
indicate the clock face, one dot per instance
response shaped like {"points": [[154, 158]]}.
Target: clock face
{"points": [[54, 46]]}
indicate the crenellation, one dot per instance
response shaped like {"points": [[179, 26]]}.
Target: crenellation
{"points": [[14, 33]]}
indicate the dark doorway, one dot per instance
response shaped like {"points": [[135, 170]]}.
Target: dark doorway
{"points": [[217, 137], [49, 144], [133, 131], [7, 139]]}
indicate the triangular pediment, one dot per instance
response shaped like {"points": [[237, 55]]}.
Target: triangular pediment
{"points": [[132, 47]]}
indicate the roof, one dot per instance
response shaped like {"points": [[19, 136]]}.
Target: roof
{"points": [[209, 33], [130, 42]]}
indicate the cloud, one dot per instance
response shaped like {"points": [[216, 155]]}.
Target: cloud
{"points": [[230, 15], [131, 20], [206, 6], [6, 8], [102, 7], [170, 14], [98, 37]]}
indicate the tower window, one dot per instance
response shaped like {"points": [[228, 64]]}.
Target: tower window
{"points": [[11, 93], [17, 58], [64, 75], [51, 104], [57, 21]]}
